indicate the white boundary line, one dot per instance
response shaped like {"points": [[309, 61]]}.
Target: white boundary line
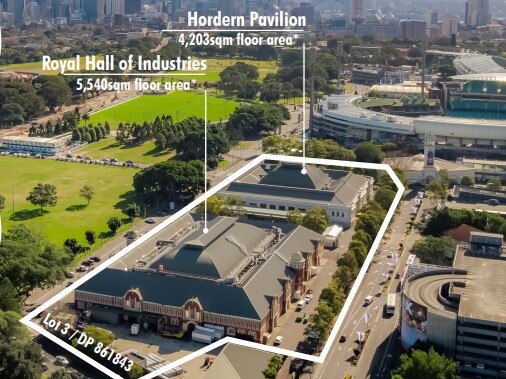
{"points": [[233, 30], [271, 349]]}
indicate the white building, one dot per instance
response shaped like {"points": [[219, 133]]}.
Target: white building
{"points": [[37, 145], [281, 187]]}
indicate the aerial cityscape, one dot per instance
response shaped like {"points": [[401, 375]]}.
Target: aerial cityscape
{"points": [[252, 189]]}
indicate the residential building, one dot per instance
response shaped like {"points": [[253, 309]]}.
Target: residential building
{"points": [[414, 30]]}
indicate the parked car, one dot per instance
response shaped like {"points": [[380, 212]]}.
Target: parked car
{"points": [[308, 298], [70, 274], [87, 262], [278, 340], [150, 220], [44, 366], [82, 269], [342, 338], [480, 366], [96, 259], [61, 360]]}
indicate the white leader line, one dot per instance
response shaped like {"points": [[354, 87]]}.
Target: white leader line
{"points": [[271, 349]]}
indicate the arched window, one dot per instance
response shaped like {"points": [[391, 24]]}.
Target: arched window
{"points": [[231, 331], [174, 321], [241, 331]]}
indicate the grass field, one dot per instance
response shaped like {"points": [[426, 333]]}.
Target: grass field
{"points": [[109, 148], [71, 217], [212, 74], [35, 67], [180, 105], [215, 66]]}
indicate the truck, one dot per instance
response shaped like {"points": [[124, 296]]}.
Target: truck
{"points": [[204, 335], [390, 305]]}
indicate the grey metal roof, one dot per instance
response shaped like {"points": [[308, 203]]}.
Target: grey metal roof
{"points": [[174, 291], [214, 254], [239, 362], [289, 175], [300, 239], [285, 181]]}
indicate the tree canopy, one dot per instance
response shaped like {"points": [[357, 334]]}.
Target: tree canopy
{"points": [[254, 120], [435, 250], [316, 219], [419, 364], [43, 195], [167, 180], [29, 260]]}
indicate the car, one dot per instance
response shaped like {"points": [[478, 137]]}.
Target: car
{"points": [[493, 202], [96, 259], [129, 162], [312, 335], [44, 366], [308, 298], [278, 340], [397, 275], [150, 220], [161, 213], [390, 255], [468, 364], [87, 262], [342, 338], [82, 269], [81, 325], [70, 274], [69, 283], [480, 366], [61, 360]]}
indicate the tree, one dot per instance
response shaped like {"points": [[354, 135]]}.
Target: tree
{"points": [[316, 219], [333, 296], [494, 184], [294, 216], [273, 367], [9, 301], [72, 245], [436, 191], [136, 372], [91, 237], [385, 197], [114, 223], [54, 90], [344, 278], [133, 210], [43, 195], [254, 120], [87, 193], [467, 181], [369, 152], [419, 364], [169, 179], [29, 260], [2, 202], [435, 250], [233, 205], [60, 374]]}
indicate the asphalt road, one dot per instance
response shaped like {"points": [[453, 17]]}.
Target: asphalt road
{"points": [[382, 346]]}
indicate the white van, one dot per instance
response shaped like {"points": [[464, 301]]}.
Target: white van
{"points": [[300, 305], [368, 300]]}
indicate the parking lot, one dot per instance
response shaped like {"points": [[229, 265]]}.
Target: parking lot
{"points": [[291, 325]]}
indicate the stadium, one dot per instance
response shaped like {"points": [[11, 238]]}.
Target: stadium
{"points": [[474, 102]]}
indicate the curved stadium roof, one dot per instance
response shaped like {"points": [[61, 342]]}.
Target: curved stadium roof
{"points": [[476, 63]]}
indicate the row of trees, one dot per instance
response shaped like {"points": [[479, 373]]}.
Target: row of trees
{"points": [[446, 218], [333, 296], [91, 133]]}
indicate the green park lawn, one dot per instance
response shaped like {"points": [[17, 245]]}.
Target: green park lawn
{"points": [[34, 67], [71, 217], [180, 105], [215, 66], [146, 153]]}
